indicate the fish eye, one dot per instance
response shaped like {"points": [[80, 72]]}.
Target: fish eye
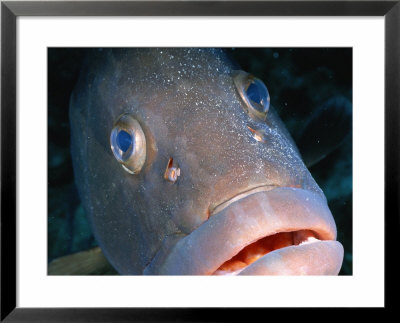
{"points": [[254, 94], [128, 143]]}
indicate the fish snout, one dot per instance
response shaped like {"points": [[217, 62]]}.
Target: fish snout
{"points": [[281, 231]]}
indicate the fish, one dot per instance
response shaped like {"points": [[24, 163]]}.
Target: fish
{"points": [[184, 167], [87, 262]]}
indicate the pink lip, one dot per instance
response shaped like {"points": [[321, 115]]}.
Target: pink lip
{"points": [[249, 219]]}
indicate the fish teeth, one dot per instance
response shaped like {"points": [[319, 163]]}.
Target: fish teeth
{"points": [[309, 240]]}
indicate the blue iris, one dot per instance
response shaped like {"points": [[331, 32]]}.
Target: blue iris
{"points": [[253, 93], [124, 140], [257, 92]]}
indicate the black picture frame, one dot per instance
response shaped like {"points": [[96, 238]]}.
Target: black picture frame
{"points": [[10, 10]]}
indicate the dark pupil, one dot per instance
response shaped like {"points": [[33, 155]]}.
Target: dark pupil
{"points": [[254, 93], [124, 140], [258, 93]]}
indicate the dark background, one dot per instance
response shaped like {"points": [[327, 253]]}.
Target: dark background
{"points": [[300, 80]]}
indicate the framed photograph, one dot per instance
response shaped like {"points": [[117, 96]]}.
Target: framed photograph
{"points": [[149, 146]]}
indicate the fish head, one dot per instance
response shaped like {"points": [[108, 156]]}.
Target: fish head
{"points": [[184, 167]]}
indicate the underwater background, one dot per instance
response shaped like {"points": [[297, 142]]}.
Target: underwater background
{"points": [[300, 81]]}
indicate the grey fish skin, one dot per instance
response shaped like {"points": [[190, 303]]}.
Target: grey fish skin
{"points": [[189, 109]]}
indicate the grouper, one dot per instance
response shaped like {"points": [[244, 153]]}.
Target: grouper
{"points": [[184, 168]]}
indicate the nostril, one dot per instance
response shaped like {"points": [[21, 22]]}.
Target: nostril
{"points": [[172, 172], [258, 135]]}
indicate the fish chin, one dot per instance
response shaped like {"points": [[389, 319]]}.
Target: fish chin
{"points": [[282, 231]]}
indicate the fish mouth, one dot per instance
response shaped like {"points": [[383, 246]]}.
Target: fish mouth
{"points": [[266, 231], [256, 250]]}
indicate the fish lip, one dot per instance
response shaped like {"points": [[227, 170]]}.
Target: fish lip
{"points": [[324, 257], [230, 230], [237, 198], [260, 188]]}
